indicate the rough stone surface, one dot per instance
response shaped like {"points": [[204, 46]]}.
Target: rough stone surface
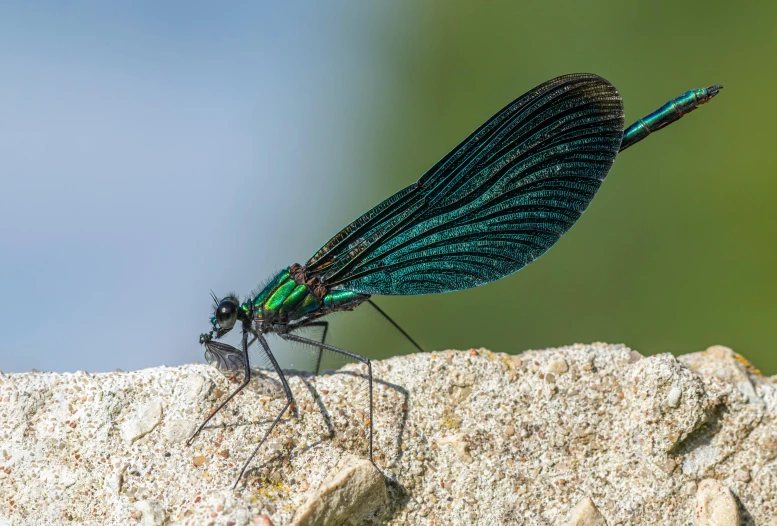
{"points": [[462, 437]]}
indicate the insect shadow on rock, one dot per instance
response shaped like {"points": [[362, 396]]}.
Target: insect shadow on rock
{"points": [[494, 204], [398, 407]]}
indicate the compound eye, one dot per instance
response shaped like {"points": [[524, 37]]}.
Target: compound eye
{"points": [[226, 313]]}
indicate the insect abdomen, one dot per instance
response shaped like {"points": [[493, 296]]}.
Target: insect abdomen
{"points": [[343, 300]]}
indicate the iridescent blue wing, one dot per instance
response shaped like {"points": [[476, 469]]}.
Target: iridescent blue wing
{"points": [[495, 203]]}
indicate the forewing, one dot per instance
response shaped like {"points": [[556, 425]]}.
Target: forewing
{"points": [[495, 203]]}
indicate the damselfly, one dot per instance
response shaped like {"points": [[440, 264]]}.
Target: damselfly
{"points": [[494, 204]]}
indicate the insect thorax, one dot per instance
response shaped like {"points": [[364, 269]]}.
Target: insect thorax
{"points": [[288, 298]]}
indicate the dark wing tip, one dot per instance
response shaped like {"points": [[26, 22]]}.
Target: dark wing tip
{"points": [[594, 88]]}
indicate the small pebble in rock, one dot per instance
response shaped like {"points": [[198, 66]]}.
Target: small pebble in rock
{"points": [[510, 431], [224, 453], [473, 352], [634, 356], [199, 460], [356, 489], [673, 398], [715, 505], [558, 367], [261, 520], [585, 513], [459, 444], [743, 475], [194, 385], [142, 423]]}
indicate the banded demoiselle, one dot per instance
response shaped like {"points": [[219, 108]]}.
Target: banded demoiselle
{"points": [[494, 204]]}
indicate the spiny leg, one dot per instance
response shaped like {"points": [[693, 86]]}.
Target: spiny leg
{"points": [[289, 402], [314, 343], [325, 325], [395, 324], [245, 383]]}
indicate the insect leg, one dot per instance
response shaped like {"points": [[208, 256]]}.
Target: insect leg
{"points": [[314, 343], [289, 402], [245, 383], [406, 335], [325, 325]]}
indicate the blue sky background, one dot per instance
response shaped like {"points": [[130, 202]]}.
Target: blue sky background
{"points": [[152, 151]]}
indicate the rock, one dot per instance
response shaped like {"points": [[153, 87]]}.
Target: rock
{"points": [[673, 398], [715, 505], [144, 421], [723, 363], [196, 387], [115, 479], [586, 514], [354, 491], [730, 382], [668, 403], [634, 356], [459, 444], [558, 366], [460, 438]]}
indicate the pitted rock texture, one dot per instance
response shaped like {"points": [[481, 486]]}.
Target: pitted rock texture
{"points": [[586, 434]]}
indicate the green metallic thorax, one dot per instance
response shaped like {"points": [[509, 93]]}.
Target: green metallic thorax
{"points": [[284, 300]]}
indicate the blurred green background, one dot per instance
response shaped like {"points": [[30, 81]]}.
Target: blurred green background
{"points": [[677, 250]]}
